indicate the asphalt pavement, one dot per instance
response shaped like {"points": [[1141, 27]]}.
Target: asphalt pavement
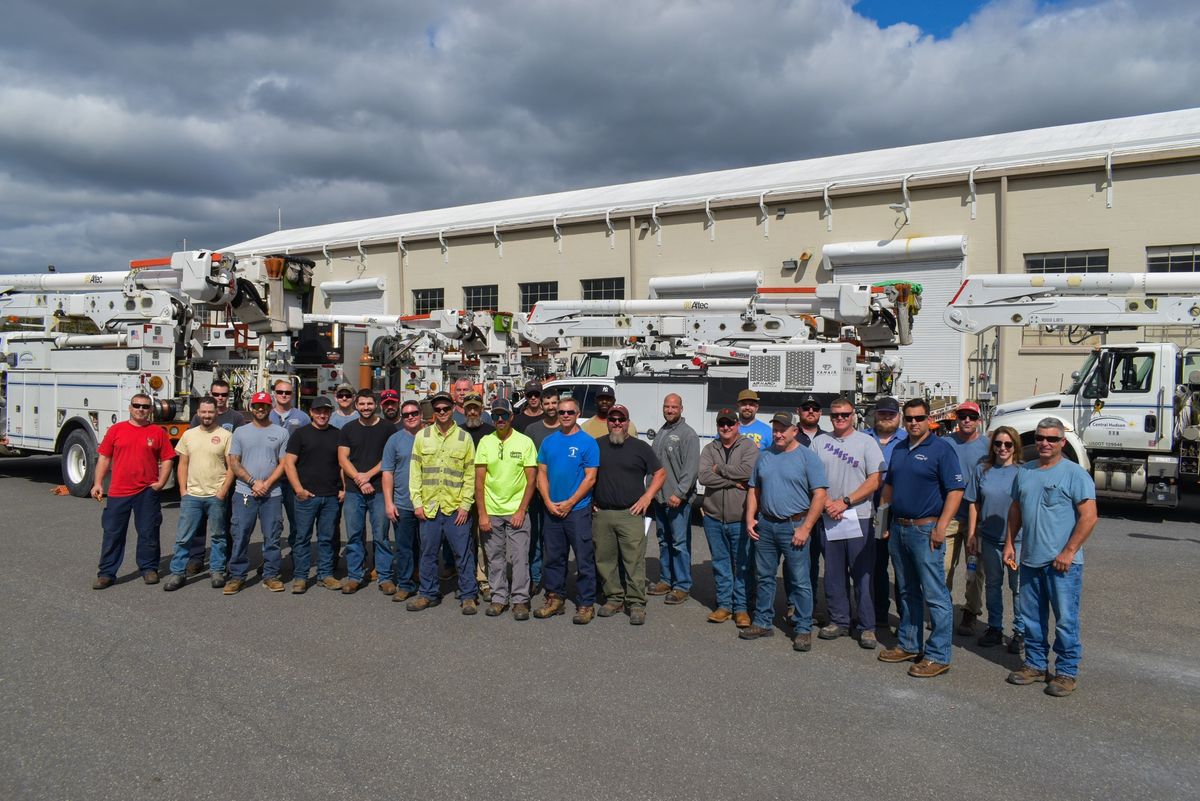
{"points": [[134, 693]]}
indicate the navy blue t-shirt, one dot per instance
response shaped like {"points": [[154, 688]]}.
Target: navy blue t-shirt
{"points": [[922, 476]]}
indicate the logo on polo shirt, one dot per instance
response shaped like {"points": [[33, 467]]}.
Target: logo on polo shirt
{"points": [[921, 457]]}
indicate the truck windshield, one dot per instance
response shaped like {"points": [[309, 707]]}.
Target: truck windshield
{"points": [[1083, 373], [590, 365]]}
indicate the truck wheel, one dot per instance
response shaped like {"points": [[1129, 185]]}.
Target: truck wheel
{"points": [[79, 462]]}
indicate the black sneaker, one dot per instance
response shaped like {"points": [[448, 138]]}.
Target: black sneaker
{"points": [[991, 638], [173, 582]]}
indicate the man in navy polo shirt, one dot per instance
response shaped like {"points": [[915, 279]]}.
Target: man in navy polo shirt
{"points": [[924, 485]]}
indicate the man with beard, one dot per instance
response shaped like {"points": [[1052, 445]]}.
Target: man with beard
{"points": [[887, 434], [462, 389], [532, 412], [397, 457], [505, 480], [597, 426], [256, 459], [389, 405], [360, 454], [677, 447], [228, 419], [478, 429], [537, 509], [749, 425], [622, 498]]}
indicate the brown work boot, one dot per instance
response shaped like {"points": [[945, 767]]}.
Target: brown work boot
{"points": [[150, 577], [610, 608], [927, 669], [897, 654], [372, 575], [661, 588], [401, 595], [755, 632], [330, 583], [584, 615], [299, 586], [676, 597], [470, 606], [720, 615], [194, 568], [233, 586], [802, 642], [387, 588], [350, 586], [273, 584], [420, 603], [495, 609], [521, 612], [103, 582], [1026, 675], [967, 627], [1061, 686], [741, 620], [553, 606]]}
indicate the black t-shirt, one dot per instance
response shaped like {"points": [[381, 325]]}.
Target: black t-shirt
{"points": [[522, 421], [479, 433], [366, 445], [624, 469], [538, 434], [315, 450]]}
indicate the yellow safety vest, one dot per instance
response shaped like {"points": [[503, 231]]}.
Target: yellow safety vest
{"points": [[441, 477]]}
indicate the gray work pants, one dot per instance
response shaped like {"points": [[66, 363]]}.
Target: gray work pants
{"points": [[507, 545]]}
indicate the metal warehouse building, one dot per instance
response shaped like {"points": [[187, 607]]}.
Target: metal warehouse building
{"points": [[1116, 195]]}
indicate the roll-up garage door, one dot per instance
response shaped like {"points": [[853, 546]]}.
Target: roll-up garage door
{"points": [[936, 355]]}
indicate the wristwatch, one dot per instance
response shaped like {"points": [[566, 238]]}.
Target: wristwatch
{"points": [[846, 501]]}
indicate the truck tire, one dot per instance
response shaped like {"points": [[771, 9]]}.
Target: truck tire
{"points": [[79, 462]]}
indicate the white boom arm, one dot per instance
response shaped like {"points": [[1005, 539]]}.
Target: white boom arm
{"points": [[1097, 301]]}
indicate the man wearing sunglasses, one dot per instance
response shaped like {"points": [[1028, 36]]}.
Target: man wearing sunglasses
{"points": [[887, 433], [972, 448], [140, 455], [397, 459], [345, 411], [505, 480], [532, 412], [853, 464], [1054, 507], [924, 486], [442, 487], [537, 509], [291, 419], [809, 415], [256, 459]]}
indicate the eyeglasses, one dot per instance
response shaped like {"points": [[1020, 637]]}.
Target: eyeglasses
{"points": [[840, 415], [219, 394], [915, 418], [283, 392], [810, 408], [344, 395], [140, 405], [567, 412], [442, 409], [1002, 445], [617, 420], [411, 414], [967, 416], [1045, 438]]}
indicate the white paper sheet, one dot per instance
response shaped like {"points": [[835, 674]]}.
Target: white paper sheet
{"points": [[847, 528]]}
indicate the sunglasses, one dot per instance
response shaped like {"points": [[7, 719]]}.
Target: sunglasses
{"points": [[1001, 445], [617, 420], [967, 416], [1045, 438], [567, 412], [140, 405], [219, 394], [283, 392], [344, 395], [501, 415], [442, 409], [915, 418], [723, 424], [411, 414], [840, 415], [810, 408], [533, 394]]}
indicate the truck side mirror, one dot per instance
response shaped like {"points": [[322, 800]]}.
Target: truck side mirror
{"points": [[1097, 386]]}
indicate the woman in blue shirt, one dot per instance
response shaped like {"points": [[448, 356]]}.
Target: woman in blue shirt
{"points": [[987, 518]]}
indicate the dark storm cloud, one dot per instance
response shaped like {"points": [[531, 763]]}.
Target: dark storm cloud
{"points": [[130, 126]]}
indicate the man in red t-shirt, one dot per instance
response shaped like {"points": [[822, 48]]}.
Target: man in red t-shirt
{"points": [[140, 456]]}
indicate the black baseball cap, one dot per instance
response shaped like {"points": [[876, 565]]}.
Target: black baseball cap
{"points": [[321, 402]]}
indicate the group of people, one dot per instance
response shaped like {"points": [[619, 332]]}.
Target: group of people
{"points": [[503, 498]]}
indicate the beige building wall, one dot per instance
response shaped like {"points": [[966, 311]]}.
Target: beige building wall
{"points": [[1153, 204]]}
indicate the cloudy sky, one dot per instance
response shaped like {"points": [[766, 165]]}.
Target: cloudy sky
{"points": [[128, 126]]}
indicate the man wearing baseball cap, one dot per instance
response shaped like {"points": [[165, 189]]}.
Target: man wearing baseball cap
{"points": [[887, 433], [532, 412], [598, 426], [749, 425], [311, 465], [389, 405], [256, 459], [345, 412], [971, 447]]}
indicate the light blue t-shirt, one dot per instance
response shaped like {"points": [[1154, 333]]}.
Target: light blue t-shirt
{"points": [[1048, 499], [786, 480], [990, 489], [758, 431], [294, 421], [397, 456], [260, 449], [339, 420], [969, 456], [566, 458]]}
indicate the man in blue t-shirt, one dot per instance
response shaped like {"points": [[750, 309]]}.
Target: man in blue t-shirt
{"points": [[291, 419], [397, 458], [924, 486], [972, 447], [1054, 506], [749, 426], [567, 464], [783, 505]]}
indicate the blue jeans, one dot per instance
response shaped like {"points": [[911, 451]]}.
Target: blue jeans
{"points": [[289, 508], [147, 517], [247, 510], [320, 511], [674, 545], [991, 553], [921, 574], [192, 512], [775, 541], [357, 507], [439, 528], [1043, 589], [564, 534], [537, 521], [851, 563], [729, 545], [406, 530]]}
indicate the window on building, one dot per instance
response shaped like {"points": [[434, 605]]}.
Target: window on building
{"points": [[485, 297], [1070, 261], [1173, 259], [601, 289], [536, 291], [426, 300]]}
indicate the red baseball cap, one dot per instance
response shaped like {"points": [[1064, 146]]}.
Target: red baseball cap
{"points": [[968, 406], [618, 409], [389, 396], [260, 397]]}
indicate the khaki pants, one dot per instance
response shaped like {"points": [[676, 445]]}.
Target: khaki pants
{"points": [[956, 547], [620, 536]]}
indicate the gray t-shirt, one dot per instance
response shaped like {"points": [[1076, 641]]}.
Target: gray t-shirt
{"points": [[339, 420], [260, 449], [847, 464]]}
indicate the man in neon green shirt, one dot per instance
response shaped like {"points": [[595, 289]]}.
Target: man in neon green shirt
{"points": [[505, 468]]}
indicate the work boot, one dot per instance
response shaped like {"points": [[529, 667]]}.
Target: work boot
{"points": [[470, 606], [967, 627], [990, 638], [720, 615], [661, 588], [866, 639], [150, 577], [387, 588], [676, 597], [927, 669], [1016, 643], [194, 567], [330, 583], [1026, 675], [611, 608], [521, 612], [833, 631], [584, 615], [1061, 686], [553, 606], [217, 581], [802, 642], [637, 615], [233, 586], [420, 603], [897, 654], [103, 582], [495, 609], [741, 620], [273, 584], [299, 586], [173, 582], [755, 632], [350, 586], [401, 595]]}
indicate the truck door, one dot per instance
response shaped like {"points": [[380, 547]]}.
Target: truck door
{"points": [[1128, 388]]}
